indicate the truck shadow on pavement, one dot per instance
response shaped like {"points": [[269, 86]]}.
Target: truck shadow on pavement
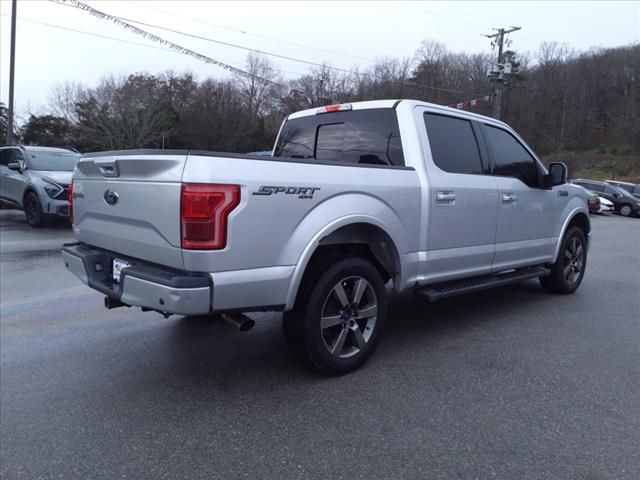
{"points": [[208, 351]]}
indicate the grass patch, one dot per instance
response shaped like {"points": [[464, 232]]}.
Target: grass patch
{"points": [[596, 165]]}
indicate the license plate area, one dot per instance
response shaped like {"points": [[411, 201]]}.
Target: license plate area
{"points": [[116, 270]]}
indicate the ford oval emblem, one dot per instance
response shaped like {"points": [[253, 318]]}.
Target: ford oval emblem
{"points": [[111, 197]]}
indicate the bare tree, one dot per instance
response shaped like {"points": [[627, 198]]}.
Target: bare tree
{"points": [[260, 86]]}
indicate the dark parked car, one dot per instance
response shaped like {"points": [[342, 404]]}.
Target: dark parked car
{"points": [[632, 188], [623, 202]]}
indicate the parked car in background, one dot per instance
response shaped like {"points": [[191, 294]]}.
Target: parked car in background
{"points": [[593, 200], [632, 188], [434, 200], [606, 206], [36, 180], [623, 202]]}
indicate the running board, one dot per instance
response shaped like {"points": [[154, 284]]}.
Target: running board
{"points": [[475, 284]]}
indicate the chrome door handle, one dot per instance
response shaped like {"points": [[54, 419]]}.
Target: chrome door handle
{"points": [[508, 197], [445, 197]]}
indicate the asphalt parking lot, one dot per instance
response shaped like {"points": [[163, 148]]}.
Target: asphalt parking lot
{"points": [[512, 383]]}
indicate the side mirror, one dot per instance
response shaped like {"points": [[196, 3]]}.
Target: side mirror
{"points": [[15, 166], [558, 174]]}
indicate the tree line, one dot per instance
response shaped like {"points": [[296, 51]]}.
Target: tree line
{"points": [[559, 100]]}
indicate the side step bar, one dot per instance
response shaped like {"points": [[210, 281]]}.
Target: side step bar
{"points": [[458, 287]]}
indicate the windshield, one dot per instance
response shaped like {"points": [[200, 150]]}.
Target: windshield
{"points": [[53, 161]]}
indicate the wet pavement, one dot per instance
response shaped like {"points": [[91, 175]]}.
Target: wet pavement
{"points": [[509, 383]]}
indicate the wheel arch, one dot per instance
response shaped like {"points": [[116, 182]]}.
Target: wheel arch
{"points": [[577, 217], [365, 237], [29, 189]]}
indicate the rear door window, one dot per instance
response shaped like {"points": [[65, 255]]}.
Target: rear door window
{"points": [[361, 136], [454, 147], [510, 158], [592, 186]]}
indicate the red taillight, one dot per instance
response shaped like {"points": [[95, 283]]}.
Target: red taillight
{"points": [[71, 202], [203, 214]]}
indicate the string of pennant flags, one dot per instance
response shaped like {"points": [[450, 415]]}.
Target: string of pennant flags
{"points": [[472, 103]]}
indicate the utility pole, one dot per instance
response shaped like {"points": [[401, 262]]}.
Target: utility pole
{"points": [[499, 70], [12, 72]]}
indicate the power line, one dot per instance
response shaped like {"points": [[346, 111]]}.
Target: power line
{"points": [[107, 37], [420, 20], [487, 21], [281, 56], [420, 9], [123, 22], [287, 42], [126, 22], [411, 84], [174, 46], [89, 33]]}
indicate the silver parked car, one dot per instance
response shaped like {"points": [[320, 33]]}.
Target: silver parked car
{"points": [[36, 180]]}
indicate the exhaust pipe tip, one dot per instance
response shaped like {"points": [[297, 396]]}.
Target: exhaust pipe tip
{"points": [[110, 303], [239, 321]]}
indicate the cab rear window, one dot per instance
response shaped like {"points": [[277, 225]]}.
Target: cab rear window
{"points": [[360, 136]]}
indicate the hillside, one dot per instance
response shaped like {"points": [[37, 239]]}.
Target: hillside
{"points": [[601, 164]]}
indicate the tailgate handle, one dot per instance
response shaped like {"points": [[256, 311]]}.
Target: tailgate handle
{"points": [[108, 168]]}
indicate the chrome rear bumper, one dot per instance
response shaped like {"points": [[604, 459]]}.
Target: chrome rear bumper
{"points": [[141, 284]]}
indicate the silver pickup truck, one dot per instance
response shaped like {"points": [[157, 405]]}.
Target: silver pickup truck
{"points": [[356, 201]]}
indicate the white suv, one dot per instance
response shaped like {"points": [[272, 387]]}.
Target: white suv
{"points": [[36, 180]]}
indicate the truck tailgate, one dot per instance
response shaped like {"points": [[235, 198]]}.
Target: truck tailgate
{"points": [[129, 203]]}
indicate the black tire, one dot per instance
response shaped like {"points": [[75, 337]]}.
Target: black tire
{"points": [[33, 210], [568, 271], [626, 210], [349, 330]]}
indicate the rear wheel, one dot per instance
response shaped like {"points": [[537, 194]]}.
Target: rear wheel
{"points": [[626, 210], [338, 322], [568, 271], [33, 210]]}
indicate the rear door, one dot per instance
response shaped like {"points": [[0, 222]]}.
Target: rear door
{"points": [[463, 197], [130, 204], [528, 213]]}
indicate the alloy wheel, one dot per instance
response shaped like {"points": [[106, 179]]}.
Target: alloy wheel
{"points": [[349, 316], [573, 260], [30, 207]]}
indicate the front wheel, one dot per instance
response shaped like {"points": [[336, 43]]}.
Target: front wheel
{"points": [[568, 271], [337, 325], [33, 210], [626, 210]]}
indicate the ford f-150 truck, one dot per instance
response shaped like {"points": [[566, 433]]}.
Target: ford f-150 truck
{"points": [[357, 200]]}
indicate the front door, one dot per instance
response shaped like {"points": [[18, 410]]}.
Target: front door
{"points": [[527, 212], [11, 181], [463, 198]]}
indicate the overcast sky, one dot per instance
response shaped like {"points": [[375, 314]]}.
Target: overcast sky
{"points": [[343, 34]]}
